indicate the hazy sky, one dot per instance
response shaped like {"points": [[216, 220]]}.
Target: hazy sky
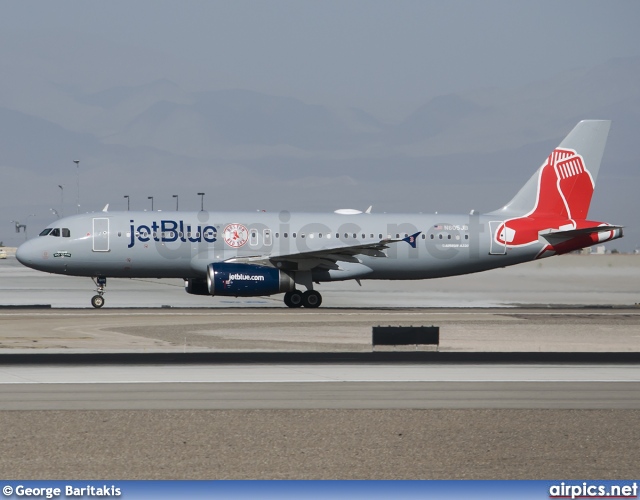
{"points": [[384, 56]]}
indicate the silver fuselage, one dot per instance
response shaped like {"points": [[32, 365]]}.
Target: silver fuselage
{"points": [[183, 244]]}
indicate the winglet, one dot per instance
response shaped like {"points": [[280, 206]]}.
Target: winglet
{"points": [[413, 239], [106, 208]]}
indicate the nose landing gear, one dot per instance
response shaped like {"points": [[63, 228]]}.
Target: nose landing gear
{"points": [[97, 301]]}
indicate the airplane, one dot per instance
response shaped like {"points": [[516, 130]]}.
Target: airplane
{"points": [[247, 254]]}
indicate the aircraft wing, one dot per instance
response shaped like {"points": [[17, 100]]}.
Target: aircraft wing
{"points": [[326, 257]]}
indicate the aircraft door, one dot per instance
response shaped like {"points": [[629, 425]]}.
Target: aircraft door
{"points": [[101, 234], [497, 247]]}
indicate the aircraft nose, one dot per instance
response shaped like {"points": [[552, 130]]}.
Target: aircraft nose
{"points": [[26, 254]]}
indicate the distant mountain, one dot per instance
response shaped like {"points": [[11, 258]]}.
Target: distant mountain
{"points": [[458, 151], [34, 143], [230, 118], [157, 91], [437, 116]]}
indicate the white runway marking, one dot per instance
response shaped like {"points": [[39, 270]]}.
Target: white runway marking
{"points": [[127, 374]]}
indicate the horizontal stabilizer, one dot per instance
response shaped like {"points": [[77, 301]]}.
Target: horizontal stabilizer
{"points": [[555, 235]]}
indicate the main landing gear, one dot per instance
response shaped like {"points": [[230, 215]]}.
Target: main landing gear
{"points": [[97, 301], [296, 298]]}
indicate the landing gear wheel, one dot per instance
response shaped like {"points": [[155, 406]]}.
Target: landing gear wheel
{"points": [[97, 301], [311, 299], [293, 298]]}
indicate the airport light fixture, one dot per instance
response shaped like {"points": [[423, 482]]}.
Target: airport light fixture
{"points": [[55, 212], [127, 197], [176, 197], [18, 226], [150, 198], [77, 162], [201, 195]]}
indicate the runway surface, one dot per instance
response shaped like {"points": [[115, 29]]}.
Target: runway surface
{"points": [[610, 280], [374, 417], [581, 329]]}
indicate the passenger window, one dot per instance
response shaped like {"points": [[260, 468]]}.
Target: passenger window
{"points": [[55, 232], [380, 236], [285, 235], [346, 235], [66, 233], [432, 236], [277, 235], [424, 236], [466, 236], [319, 235], [45, 232], [439, 236], [397, 235], [448, 236], [355, 236], [302, 235], [293, 235]]}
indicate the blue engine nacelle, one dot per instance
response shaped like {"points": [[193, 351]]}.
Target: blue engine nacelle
{"points": [[246, 280]]}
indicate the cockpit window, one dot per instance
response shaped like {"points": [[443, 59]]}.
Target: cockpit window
{"points": [[66, 233], [45, 231], [55, 232]]}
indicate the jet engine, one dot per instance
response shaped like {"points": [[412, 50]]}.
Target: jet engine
{"points": [[246, 280]]}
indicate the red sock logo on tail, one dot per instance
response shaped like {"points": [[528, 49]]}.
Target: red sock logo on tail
{"points": [[575, 184], [565, 188]]}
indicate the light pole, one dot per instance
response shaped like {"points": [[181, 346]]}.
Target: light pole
{"points": [[77, 162], [26, 224], [150, 198], [18, 225], [127, 197], [61, 199], [201, 195], [176, 197], [55, 212]]}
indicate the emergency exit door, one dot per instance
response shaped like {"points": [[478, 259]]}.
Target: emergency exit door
{"points": [[101, 234]]}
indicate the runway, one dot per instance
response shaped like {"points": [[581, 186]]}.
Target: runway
{"points": [[546, 386], [577, 329]]}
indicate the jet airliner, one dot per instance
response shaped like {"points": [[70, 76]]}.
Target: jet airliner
{"points": [[246, 254]]}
